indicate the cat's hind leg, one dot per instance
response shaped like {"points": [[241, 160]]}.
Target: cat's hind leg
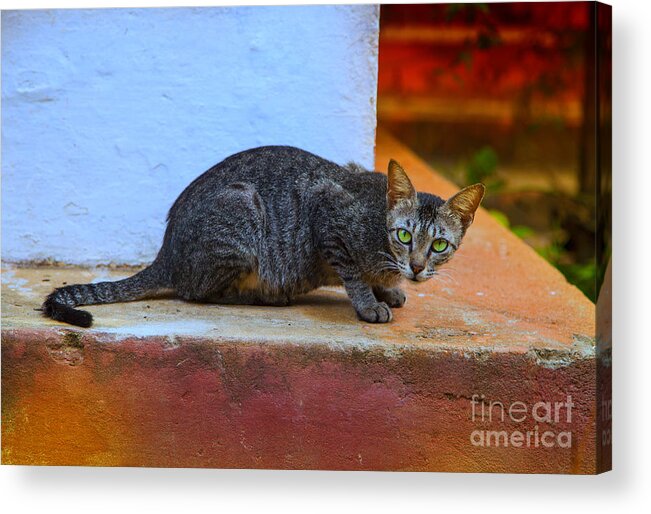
{"points": [[221, 245], [248, 289]]}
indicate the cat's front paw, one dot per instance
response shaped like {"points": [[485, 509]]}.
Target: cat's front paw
{"points": [[394, 297], [378, 313]]}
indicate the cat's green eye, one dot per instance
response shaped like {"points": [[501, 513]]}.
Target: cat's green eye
{"points": [[440, 245], [404, 236]]}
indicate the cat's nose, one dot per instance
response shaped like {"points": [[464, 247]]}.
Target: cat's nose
{"points": [[416, 268]]}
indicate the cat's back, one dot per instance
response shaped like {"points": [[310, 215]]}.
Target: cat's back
{"points": [[272, 170]]}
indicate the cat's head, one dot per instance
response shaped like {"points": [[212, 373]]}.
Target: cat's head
{"points": [[425, 231]]}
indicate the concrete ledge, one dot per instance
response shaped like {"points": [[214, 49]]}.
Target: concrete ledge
{"points": [[168, 383]]}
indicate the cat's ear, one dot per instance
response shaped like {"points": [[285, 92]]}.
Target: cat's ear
{"points": [[399, 186], [465, 203]]}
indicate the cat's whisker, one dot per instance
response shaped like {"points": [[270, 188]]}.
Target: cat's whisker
{"points": [[449, 278], [441, 278], [444, 274]]}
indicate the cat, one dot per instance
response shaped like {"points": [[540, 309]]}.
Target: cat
{"points": [[271, 223]]}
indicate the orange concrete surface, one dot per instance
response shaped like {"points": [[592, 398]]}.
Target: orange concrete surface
{"points": [[169, 383]]}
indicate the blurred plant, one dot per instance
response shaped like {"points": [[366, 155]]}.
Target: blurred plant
{"points": [[500, 217], [522, 231], [482, 167], [487, 37], [582, 275]]}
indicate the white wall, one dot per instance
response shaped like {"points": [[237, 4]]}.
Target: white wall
{"points": [[108, 114]]}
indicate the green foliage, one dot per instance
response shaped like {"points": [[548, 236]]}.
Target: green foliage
{"points": [[523, 231], [482, 167], [500, 217], [519, 230], [582, 276]]}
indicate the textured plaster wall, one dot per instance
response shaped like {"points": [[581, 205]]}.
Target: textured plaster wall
{"points": [[108, 114]]}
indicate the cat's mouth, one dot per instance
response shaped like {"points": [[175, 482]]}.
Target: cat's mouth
{"points": [[423, 276]]}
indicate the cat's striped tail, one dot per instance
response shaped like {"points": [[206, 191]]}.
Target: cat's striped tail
{"points": [[60, 304]]}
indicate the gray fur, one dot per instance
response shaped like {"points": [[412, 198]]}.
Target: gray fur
{"points": [[271, 223]]}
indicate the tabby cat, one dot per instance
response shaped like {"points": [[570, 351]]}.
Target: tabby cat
{"points": [[269, 224]]}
